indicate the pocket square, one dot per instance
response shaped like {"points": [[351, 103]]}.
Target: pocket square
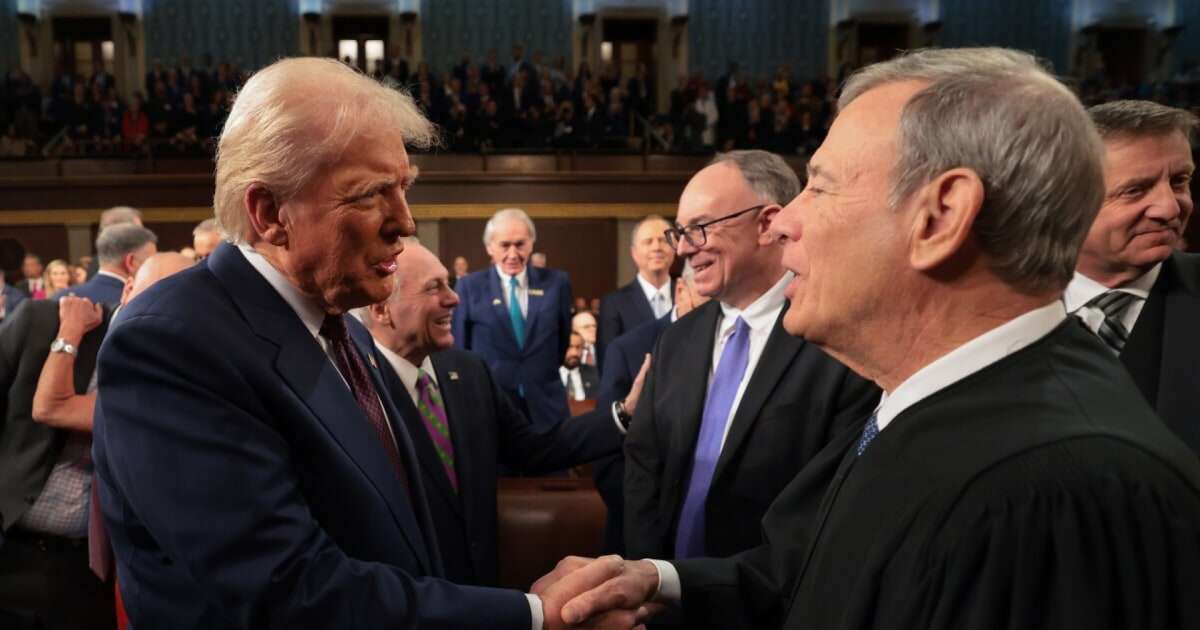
{"points": [[453, 375]]}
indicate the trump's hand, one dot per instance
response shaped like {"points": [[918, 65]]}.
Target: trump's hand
{"points": [[77, 316], [635, 392], [608, 592]]}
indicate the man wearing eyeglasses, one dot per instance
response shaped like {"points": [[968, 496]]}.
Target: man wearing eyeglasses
{"points": [[736, 406]]}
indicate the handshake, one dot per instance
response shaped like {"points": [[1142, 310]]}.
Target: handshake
{"points": [[608, 592]]}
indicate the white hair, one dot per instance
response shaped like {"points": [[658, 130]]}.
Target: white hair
{"points": [[294, 117], [507, 214], [1001, 114]]}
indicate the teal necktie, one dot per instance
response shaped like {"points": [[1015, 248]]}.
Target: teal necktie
{"points": [[514, 312]]}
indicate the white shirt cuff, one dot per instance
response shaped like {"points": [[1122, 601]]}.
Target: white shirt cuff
{"points": [[616, 420], [670, 591], [535, 611]]}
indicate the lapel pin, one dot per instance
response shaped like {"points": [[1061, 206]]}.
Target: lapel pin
{"points": [[496, 302], [371, 358], [537, 292], [453, 375]]}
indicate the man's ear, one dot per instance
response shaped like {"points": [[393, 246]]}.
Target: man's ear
{"points": [[763, 223], [379, 315], [267, 217], [944, 213]]}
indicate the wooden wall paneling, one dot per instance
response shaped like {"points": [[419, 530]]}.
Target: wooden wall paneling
{"points": [[47, 241], [171, 236]]}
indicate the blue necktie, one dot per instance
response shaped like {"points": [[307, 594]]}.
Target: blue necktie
{"points": [[869, 432], [689, 538], [514, 312]]}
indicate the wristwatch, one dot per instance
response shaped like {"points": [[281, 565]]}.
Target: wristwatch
{"points": [[61, 345], [622, 416]]}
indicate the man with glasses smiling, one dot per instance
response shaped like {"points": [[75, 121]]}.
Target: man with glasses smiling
{"points": [[735, 406]]}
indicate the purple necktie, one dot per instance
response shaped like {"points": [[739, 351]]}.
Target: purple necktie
{"points": [[689, 538], [433, 413]]}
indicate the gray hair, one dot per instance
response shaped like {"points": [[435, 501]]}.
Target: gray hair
{"points": [[295, 117], [1141, 118], [206, 226], [119, 214], [507, 214], [115, 242], [999, 113], [768, 174]]}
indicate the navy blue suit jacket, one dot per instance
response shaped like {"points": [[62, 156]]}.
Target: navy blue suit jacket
{"points": [[241, 484], [100, 289], [622, 360], [622, 311], [482, 325], [487, 431], [12, 297]]}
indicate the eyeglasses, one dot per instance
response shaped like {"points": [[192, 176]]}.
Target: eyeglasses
{"points": [[695, 234]]}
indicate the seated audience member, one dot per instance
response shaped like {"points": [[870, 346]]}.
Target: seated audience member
{"points": [[648, 296], [56, 277], [579, 380], [584, 323], [1013, 475], [135, 124], [33, 284], [624, 358], [205, 239], [1133, 286], [117, 215], [464, 427], [120, 249], [538, 259], [78, 274], [460, 270], [517, 317], [304, 503]]}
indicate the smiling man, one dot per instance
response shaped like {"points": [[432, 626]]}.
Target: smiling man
{"points": [[734, 406], [649, 296], [1133, 287], [517, 317], [252, 469]]}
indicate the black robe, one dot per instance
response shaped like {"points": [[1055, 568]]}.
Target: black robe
{"points": [[1039, 492]]}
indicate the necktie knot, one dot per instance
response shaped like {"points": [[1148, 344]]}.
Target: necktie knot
{"points": [[1112, 303], [1112, 329], [513, 283], [333, 328], [423, 380]]}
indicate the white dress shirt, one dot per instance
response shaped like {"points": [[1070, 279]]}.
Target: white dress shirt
{"points": [[760, 316], [573, 382], [956, 365], [522, 289], [408, 372], [659, 298], [1083, 289]]}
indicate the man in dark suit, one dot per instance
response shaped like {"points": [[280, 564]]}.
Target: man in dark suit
{"points": [[1133, 287], [1011, 476], [463, 426], [44, 486], [734, 406], [10, 297], [31, 268], [518, 318], [266, 479], [115, 215], [649, 296], [628, 358], [121, 249], [580, 380]]}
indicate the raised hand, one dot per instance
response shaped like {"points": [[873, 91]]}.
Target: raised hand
{"points": [[635, 391], [77, 316]]}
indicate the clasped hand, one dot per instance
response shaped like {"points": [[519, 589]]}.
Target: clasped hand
{"points": [[607, 592]]}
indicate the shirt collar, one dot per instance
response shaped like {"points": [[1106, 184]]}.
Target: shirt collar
{"points": [[650, 290], [406, 370], [762, 312], [120, 278], [308, 309], [521, 277], [970, 358], [1083, 289]]}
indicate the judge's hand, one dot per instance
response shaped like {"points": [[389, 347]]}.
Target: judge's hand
{"points": [[608, 592], [635, 391], [76, 317]]}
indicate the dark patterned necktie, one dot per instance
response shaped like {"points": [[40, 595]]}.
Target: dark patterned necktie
{"points": [[1113, 305], [433, 413], [870, 431], [355, 372]]}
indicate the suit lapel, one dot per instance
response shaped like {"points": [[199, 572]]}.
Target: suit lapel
{"points": [[694, 365], [776, 356], [637, 300], [1142, 353], [312, 377], [1178, 378], [455, 394], [537, 299]]}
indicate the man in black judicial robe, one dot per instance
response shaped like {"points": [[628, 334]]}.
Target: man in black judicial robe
{"points": [[1012, 477]]}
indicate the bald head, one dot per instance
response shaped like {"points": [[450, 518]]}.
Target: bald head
{"points": [[155, 268], [416, 320]]}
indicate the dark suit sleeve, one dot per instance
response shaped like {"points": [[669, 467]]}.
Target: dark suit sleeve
{"points": [[609, 326], [615, 380], [217, 490], [565, 300], [460, 325], [643, 473]]}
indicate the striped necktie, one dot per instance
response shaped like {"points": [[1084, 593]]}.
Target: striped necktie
{"points": [[433, 414], [1113, 305]]}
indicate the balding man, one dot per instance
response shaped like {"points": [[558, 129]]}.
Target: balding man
{"points": [[1012, 475], [517, 317], [205, 238], [584, 323], [463, 425], [49, 379], [1133, 287], [120, 250], [649, 296]]}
